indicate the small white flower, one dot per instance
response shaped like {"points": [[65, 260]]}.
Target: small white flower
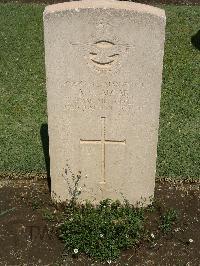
{"points": [[109, 261], [101, 235], [191, 240], [152, 235], [75, 251]]}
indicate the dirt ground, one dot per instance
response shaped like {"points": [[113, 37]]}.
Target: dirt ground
{"points": [[28, 237]]}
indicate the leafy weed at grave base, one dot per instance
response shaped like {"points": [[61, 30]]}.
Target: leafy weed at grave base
{"points": [[102, 231], [48, 215], [168, 219]]}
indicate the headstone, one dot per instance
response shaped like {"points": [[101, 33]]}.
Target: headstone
{"points": [[104, 71]]}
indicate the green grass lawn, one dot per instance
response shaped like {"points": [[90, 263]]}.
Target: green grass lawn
{"points": [[179, 135], [23, 97]]}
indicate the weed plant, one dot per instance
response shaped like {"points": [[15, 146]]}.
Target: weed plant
{"points": [[102, 231]]}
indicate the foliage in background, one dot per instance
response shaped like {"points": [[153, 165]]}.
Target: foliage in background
{"points": [[23, 100]]}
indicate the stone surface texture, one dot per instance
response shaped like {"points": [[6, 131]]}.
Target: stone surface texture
{"points": [[104, 71]]}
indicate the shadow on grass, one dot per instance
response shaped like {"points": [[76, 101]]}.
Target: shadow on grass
{"points": [[195, 40], [45, 145]]}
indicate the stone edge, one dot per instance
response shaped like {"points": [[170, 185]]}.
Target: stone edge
{"points": [[103, 4]]}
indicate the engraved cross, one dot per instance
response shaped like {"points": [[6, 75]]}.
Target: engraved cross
{"points": [[103, 141]]}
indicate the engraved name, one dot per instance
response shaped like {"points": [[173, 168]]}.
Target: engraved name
{"points": [[94, 96]]}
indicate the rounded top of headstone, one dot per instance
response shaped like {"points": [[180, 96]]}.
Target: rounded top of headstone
{"points": [[98, 0], [104, 4]]}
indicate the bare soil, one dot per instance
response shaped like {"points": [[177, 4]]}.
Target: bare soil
{"points": [[28, 238]]}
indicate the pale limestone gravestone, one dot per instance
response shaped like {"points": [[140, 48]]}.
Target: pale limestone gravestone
{"points": [[104, 71]]}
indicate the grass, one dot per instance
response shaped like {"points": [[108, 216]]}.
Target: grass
{"points": [[179, 135], [23, 99], [22, 88]]}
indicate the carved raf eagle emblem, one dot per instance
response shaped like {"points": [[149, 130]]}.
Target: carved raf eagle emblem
{"points": [[103, 53]]}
